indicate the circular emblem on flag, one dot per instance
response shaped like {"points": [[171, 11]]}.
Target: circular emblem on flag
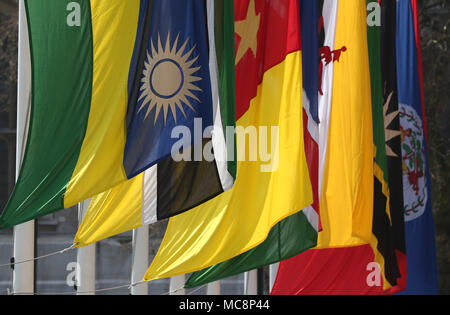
{"points": [[168, 79], [415, 192]]}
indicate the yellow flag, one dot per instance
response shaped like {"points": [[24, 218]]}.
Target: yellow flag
{"points": [[268, 94], [113, 212], [346, 205]]}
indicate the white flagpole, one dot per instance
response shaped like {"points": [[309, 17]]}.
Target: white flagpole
{"points": [[23, 274], [213, 288], [177, 285], [140, 260], [251, 282], [85, 260], [273, 270]]}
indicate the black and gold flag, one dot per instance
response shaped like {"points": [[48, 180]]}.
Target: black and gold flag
{"points": [[392, 132]]}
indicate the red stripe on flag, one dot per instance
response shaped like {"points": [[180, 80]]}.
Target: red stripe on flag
{"points": [[312, 159], [419, 62], [333, 271]]}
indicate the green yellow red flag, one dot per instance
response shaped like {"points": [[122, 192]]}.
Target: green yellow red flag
{"points": [[268, 102]]}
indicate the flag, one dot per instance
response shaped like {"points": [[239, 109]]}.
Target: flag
{"points": [[382, 228], [298, 232], [343, 252], [75, 112], [328, 55], [392, 135], [348, 161], [419, 225], [169, 83], [171, 187], [310, 66], [105, 107], [268, 94]]}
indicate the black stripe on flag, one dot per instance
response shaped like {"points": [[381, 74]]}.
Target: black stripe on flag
{"points": [[186, 184]]}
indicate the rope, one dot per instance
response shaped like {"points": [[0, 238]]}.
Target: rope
{"points": [[173, 291], [192, 292], [39, 257], [74, 293], [129, 286]]}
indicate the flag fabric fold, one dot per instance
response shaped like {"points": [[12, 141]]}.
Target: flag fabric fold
{"points": [[268, 65], [288, 238]]}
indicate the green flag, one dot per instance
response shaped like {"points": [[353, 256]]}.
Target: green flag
{"points": [[288, 238]]}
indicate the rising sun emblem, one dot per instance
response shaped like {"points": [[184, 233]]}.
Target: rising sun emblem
{"points": [[168, 79]]}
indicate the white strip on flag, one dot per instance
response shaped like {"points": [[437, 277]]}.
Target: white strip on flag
{"points": [[329, 14]]}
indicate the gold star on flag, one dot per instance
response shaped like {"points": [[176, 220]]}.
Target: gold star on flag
{"points": [[389, 133], [248, 32]]}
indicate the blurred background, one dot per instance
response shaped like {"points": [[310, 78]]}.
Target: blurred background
{"points": [[113, 266]]}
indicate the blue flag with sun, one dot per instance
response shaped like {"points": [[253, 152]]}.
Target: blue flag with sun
{"points": [[169, 81]]}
